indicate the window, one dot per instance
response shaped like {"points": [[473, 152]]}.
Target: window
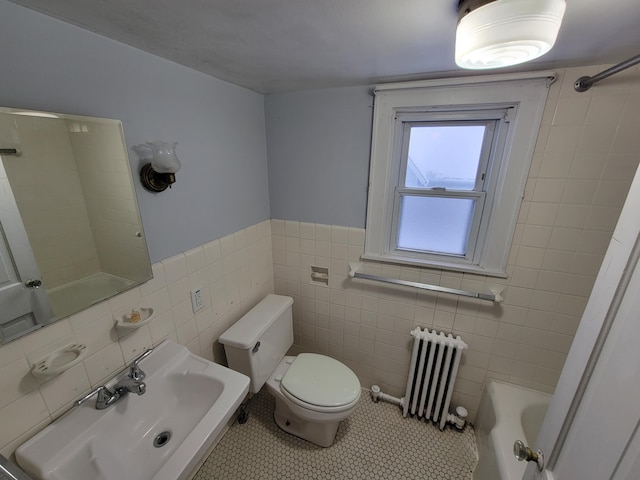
{"points": [[448, 168]]}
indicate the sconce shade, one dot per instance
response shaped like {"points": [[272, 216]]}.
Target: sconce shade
{"points": [[164, 159], [500, 33], [160, 173]]}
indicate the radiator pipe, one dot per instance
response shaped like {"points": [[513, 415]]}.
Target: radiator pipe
{"points": [[376, 394], [458, 420]]}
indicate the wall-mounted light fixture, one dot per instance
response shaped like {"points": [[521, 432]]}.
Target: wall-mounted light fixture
{"points": [[500, 33], [160, 173]]}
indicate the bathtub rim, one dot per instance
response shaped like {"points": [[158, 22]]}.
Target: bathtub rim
{"points": [[497, 438]]}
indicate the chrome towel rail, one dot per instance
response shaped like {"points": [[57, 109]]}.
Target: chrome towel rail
{"points": [[494, 296]]}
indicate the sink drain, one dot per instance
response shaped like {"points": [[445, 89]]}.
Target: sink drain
{"points": [[162, 439]]}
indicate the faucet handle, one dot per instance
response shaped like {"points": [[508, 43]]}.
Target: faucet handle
{"points": [[89, 395], [135, 372]]}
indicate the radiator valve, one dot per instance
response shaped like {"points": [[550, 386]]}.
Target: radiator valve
{"points": [[375, 393], [459, 419]]}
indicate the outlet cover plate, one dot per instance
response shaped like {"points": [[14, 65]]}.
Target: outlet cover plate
{"points": [[197, 300]]}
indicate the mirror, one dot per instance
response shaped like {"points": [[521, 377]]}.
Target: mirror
{"points": [[70, 227]]}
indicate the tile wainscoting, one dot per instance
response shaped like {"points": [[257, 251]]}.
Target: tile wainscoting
{"points": [[234, 272]]}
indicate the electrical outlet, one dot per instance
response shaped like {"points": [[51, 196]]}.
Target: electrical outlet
{"points": [[197, 302]]}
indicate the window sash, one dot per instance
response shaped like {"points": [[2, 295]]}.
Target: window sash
{"points": [[471, 242], [488, 143]]}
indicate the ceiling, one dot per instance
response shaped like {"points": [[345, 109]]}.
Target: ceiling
{"points": [[284, 45]]}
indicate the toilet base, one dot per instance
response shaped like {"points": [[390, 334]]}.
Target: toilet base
{"points": [[319, 433]]}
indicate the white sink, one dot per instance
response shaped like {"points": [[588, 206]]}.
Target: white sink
{"points": [[188, 398]]}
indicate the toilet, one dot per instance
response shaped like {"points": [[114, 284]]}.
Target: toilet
{"points": [[313, 393]]}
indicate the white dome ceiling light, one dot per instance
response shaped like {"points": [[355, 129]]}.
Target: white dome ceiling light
{"points": [[500, 33]]}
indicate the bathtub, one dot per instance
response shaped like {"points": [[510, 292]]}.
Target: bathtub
{"points": [[73, 296], [507, 413]]}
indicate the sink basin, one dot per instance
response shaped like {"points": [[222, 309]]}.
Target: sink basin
{"points": [[160, 435]]}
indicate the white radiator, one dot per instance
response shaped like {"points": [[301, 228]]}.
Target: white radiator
{"points": [[432, 373]]}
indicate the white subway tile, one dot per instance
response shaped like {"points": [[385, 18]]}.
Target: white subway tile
{"points": [[339, 234], [505, 348], [9, 353], [596, 139], [323, 233], [212, 252], [178, 290], [161, 326], [240, 239], [277, 227], [548, 190], [292, 229], [175, 268], [65, 388], [17, 380], [579, 192], [307, 231], [563, 139], [594, 242], [227, 245], [612, 193], [586, 166], [45, 336], [98, 334], [21, 415], [195, 258], [187, 332], [135, 343], [571, 111], [542, 213], [104, 364]]}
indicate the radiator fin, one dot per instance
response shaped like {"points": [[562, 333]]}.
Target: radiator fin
{"points": [[435, 358]]}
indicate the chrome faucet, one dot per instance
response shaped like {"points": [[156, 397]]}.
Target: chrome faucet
{"points": [[132, 383]]}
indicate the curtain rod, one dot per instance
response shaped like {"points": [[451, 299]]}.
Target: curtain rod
{"points": [[584, 83]]}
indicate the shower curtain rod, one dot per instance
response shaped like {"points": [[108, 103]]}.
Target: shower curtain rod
{"points": [[584, 83]]}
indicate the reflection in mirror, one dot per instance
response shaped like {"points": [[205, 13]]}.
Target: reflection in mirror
{"points": [[70, 228]]}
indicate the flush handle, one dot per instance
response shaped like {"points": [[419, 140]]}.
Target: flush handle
{"points": [[31, 283], [256, 347], [522, 452]]}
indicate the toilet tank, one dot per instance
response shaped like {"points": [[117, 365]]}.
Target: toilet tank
{"points": [[256, 343]]}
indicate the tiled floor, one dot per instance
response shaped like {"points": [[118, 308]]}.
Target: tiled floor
{"points": [[375, 442]]}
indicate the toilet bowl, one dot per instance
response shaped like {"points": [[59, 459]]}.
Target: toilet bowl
{"points": [[313, 393]]}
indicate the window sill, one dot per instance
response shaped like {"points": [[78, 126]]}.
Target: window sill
{"points": [[447, 266]]}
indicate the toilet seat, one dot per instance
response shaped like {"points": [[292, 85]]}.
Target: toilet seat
{"points": [[320, 383]]}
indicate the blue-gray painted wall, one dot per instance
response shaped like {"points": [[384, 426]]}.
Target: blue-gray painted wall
{"points": [[222, 187], [318, 145]]}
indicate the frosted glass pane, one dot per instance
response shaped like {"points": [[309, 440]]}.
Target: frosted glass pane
{"points": [[444, 156], [435, 224]]}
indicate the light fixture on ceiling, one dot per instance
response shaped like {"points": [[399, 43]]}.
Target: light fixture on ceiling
{"points": [[500, 33], [160, 173]]}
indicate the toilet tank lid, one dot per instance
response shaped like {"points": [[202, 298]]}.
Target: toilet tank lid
{"points": [[247, 331]]}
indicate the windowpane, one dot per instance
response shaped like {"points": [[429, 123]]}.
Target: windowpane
{"points": [[445, 156], [435, 224]]}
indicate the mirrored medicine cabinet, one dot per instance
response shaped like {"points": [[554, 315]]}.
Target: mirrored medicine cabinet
{"points": [[70, 227]]}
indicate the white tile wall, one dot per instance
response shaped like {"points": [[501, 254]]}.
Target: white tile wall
{"points": [[586, 155], [233, 279]]}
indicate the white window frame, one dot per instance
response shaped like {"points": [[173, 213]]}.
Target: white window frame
{"points": [[523, 96]]}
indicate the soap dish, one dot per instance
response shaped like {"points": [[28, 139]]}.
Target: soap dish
{"points": [[124, 322], [59, 361]]}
